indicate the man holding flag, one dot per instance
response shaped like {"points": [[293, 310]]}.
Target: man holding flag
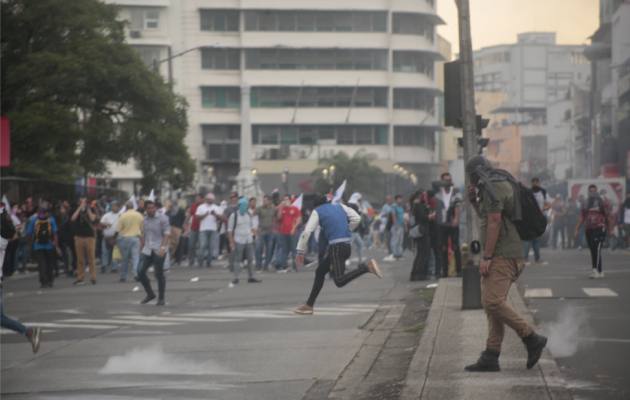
{"points": [[336, 221]]}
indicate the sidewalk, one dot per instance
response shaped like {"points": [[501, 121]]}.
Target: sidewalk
{"points": [[454, 338]]}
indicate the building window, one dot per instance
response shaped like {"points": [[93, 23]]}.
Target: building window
{"points": [[416, 136], [220, 59], [309, 97], [219, 20], [316, 59], [222, 142], [413, 61], [152, 19], [413, 24], [316, 21], [221, 97], [310, 134], [414, 99], [149, 54]]}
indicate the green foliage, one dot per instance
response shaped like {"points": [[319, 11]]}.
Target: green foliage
{"points": [[77, 96], [361, 176]]}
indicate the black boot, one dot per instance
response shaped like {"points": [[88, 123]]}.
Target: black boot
{"points": [[534, 343], [488, 362]]}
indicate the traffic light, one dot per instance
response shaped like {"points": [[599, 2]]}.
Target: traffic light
{"points": [[452, 94]]}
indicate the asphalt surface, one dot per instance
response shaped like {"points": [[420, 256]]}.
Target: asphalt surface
{"points": [[209, 342], [588, 319]]}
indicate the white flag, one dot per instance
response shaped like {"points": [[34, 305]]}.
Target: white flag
{"points": [[339, 192], [6, 203], [133, 201], [151, 196], [298, 202]]}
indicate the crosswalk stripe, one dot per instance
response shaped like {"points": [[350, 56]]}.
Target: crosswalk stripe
{"points": [[538, 293], [174, 319], [239, 314], [118, 322], [600, 292], [65, 325]]}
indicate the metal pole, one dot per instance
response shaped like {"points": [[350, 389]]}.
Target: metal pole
{"points": [[471, 287]]}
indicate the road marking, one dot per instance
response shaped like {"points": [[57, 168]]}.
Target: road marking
{"points": [[4, 331], [118, 321], [64, 325], [173, 319], [600, 292], [538, 293]]}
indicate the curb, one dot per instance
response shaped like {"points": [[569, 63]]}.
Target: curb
{"points": [[418, 373]]}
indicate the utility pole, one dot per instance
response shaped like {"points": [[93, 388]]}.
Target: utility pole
{"points": [[471, 289]]}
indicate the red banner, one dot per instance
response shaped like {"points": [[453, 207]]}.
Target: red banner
{"points": [[5, 142]]}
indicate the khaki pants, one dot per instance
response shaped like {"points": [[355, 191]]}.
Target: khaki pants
{"points": [[176, 234], [85, 246], [494, 292]]}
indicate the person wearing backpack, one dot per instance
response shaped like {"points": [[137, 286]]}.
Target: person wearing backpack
{"points": [[540, 194], [242, 226], [594, 217], [43, 233], [493, 196]]}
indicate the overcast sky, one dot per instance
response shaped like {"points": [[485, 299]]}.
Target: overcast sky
{"points": [[498, 21]]}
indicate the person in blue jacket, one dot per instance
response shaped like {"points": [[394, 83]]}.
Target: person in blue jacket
{"points": [[336, 223]]}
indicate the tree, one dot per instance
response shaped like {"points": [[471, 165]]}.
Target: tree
{"points": [[77, 96], [360, 175]]}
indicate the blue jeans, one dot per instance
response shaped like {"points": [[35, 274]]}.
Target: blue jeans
{"points": [[106, 256], [285, 247], [536, 245], [10, 323], [397, 234], [358, 242], [206, 247], [130, 252], [264, 242]]}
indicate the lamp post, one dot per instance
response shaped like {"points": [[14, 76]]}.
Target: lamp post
{"points": [[285, 180]]}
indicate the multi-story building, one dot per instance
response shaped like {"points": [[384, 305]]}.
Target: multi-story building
{"points": [[534, 74], [278, 86]]}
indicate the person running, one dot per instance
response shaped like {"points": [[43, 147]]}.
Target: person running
{"points": [[32, 334], [336, 222], [493, 198], [155, 240], [594, 217]]}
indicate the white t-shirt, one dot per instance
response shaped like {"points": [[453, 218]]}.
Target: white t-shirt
{"points": [[209, 223], [110, 219]]}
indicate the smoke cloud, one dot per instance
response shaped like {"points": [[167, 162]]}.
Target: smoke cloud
{"points": [[564, 333], [153, 360]]}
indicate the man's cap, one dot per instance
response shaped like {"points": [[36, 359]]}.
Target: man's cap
{"points": [[476, 162]]}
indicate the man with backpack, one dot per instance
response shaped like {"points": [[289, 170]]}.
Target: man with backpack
{"points": [[540, 194], [43, 232], [493, 194], [242, 226]]}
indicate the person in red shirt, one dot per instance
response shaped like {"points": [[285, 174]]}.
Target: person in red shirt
{"points": [[594, 216], [193, 239], [288, 219]]}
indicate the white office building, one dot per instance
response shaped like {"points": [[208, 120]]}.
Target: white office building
{"points": [[278, 85]]}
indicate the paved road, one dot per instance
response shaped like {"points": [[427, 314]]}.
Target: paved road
{"points": [[589, 319], [210, 341]]}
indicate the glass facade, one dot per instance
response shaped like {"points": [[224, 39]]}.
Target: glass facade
{"points": [[317, 59], [222, 142], [220, 59], [414, 99], [417, 136], [220, 97], [413, 61], [318, 97], [219, 20], [316, 21], [413, 24], [311, 134]]}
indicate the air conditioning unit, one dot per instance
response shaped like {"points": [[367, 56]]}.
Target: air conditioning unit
{"points": [[135, 34]]}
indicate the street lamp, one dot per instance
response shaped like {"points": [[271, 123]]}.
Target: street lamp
{"points": [[285, 180]]}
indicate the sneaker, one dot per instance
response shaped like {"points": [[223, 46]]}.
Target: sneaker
{"points": [[253, 280], [283, 270], [389, 258], [488, 362], [122, 280], [528, 263], [374, 268], [542, 263], [599, 275], [93, 281], [160, 302], [78, 282], [594, 274], [304, 309], [33, 336], [147, 299], [534, 344]]}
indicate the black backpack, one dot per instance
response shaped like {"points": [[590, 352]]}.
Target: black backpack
{"points": [[533, 222], [43, 231]]}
